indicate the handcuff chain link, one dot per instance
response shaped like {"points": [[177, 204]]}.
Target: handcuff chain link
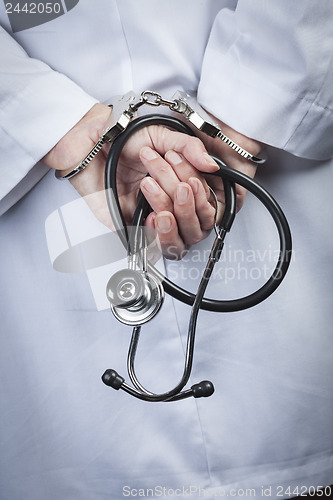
{"points": [[176, 105], [156, 101]]}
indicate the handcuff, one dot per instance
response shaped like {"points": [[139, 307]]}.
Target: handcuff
{"points": [[136, 295], [125, 108]]}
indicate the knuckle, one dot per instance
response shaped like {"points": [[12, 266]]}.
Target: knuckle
{"points": [[193, 239], [163, 167], [164, 203], [207, 225], [196, 142], [211, 213]]}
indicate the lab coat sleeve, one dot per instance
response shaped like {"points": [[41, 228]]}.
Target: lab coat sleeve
{"points": [[38, 106], [268, 73]]}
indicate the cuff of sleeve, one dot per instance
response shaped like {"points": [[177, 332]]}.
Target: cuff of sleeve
{"points": [[262, 110], [40, 115], [34, 120]]}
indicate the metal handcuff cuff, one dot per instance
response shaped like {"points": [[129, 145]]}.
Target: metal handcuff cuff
{"points": [[136, 295]]}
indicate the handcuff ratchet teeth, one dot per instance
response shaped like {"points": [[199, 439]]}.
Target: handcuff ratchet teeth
{"points": [[125, 107], [136, 295]]}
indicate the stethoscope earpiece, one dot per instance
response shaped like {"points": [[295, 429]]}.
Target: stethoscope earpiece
{"points": [[203, 390], [136, 295]]}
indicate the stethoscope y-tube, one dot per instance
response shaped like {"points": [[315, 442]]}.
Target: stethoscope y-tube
{"points": [[151, 277]]}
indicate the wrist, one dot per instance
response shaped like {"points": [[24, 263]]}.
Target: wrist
{"points": [[215, 145], [74, 146]]}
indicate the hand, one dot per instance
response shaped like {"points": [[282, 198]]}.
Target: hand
{"points": [[177, 192], [182, 215]]}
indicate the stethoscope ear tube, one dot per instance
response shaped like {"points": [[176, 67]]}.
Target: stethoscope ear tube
{"points": [[112, 163], [229, 178], [282, 264], [227, 174]]}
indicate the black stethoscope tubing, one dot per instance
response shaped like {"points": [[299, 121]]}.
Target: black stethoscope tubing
{"points": [[227, 174], [131, 241]]}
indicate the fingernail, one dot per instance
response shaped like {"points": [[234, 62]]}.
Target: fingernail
{"points": [[182, 194], [173, 157], [163, 223], [150, 185], [148, 153], [209, 159]]}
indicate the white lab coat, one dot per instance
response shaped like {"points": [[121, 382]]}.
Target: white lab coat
{"points": [[268, 427]]}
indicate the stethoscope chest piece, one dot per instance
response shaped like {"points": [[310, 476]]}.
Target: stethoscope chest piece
{"points": [[135, 296]]}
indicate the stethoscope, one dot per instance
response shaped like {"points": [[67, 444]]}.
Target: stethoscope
{"points": [[136, 293]]}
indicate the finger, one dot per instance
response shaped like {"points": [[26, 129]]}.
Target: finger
{"points": [[160, 170], [250, 170], [184, 170], [150, 231], [150, 223], [186, 216], [216, 184], [205, 211], [190, 147], [154, 194], [154, 251], [172, 245]]}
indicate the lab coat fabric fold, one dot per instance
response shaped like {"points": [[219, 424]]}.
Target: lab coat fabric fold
{"points": [[267, 430], [274, 88]]}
